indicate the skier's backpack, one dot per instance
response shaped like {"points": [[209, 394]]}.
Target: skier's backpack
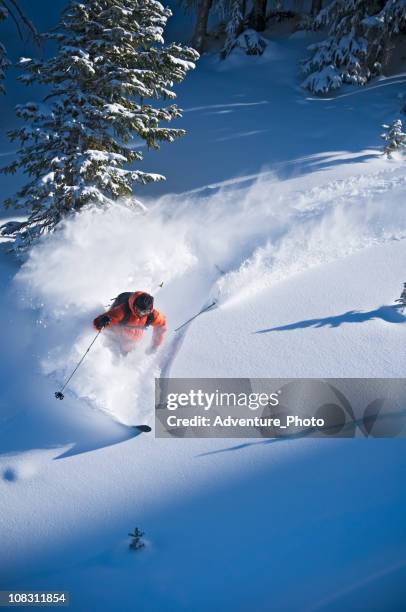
{"points": [[122, 300]]}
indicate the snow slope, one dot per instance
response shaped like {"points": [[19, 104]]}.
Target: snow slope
{"points": [[313, 324], [307, 224], [251, 516]]}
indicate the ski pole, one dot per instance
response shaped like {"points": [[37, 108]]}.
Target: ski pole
{"points": [[59, 394], [196, 315]]}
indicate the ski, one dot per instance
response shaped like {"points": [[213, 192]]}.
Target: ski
{"points": [[143, 428]]}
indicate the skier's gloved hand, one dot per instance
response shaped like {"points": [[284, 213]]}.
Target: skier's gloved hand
{"points": [[102, 322], [151, 350]]}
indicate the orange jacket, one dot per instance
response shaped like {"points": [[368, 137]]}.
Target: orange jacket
{"points": [[134, 327]]}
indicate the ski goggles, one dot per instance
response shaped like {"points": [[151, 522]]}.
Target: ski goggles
{"points": [[142, 313]]}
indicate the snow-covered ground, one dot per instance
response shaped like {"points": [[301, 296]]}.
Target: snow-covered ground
{"points": [[290, 199]]}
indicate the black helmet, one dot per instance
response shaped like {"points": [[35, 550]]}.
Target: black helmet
{"points": [[144, 303]]}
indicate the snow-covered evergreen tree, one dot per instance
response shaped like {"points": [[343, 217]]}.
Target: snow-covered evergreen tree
{"points": [[357, 45], [402, 299], [137, 542], [247, 40], [394, 137], [233, 27], [77, 145], [251, 42]]}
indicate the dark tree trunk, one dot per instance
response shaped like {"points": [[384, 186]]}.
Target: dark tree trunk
{"points": [[258, 15], [316, 7], [200, 32]]}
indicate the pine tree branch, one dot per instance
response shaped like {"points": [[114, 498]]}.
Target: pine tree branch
{"points": [[14, 18], [28, 23], [24, 19]]}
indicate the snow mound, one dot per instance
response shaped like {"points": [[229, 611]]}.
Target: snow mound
{"points": [[251, 43]]}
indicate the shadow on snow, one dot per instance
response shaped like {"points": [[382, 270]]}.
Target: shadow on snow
{"points": [[389, 314]]}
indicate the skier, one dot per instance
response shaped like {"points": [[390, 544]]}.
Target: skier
{"points": [[130, 315]]}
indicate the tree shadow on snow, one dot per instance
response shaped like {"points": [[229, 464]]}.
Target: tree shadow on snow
{"points": [[389, 314], [324, 163], [364, 425]]}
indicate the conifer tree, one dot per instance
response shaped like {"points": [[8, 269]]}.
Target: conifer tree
{"points": [[79, 146], [136, 539], [394, 137], [402, 299], [234, 27], [357, 46], [249, 41]]}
